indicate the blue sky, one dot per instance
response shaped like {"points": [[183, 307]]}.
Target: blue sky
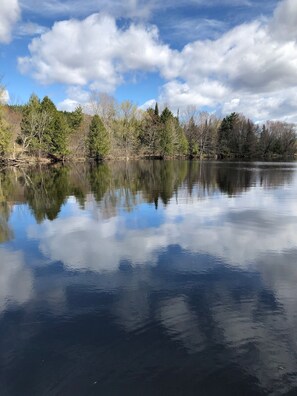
{"points": [[219, 55]]}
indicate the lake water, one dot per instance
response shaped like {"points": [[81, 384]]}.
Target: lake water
{"points": [[149, 278]]}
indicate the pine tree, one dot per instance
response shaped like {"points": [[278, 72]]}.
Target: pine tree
{"points": [[56, 130], [98, 141], [49, 111], [59, 137], [166, 115], [156, 110], [225, 135]]}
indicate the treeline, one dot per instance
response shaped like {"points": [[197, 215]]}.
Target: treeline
{"points": [[38, 130]]}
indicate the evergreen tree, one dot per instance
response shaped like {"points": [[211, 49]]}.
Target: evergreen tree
{"points": [[156, 110], [56, 130], [249, 147], [166, 115], [225, 135], [48, 107], [75, 118], [59, 137], [167, 138], [99, 141]]}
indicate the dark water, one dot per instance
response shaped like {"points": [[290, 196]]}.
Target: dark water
{"points": [[149, 278]]}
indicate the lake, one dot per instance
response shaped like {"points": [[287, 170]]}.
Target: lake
{"points": [[149, 278]]}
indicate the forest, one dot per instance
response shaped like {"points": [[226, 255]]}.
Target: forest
{"points": [[38, 132]]}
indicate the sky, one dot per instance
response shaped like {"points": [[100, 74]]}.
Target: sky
{"points": [[217, 55]]}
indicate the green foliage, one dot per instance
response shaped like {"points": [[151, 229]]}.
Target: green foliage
{"points": [[98, 141], [56, 130], [74, 118], [44, 130], [48, 105], [166, 115], [225, 135], [124, 130], [59, 136]]}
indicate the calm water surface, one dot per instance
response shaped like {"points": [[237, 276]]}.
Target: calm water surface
{"points": [[149, 278]]}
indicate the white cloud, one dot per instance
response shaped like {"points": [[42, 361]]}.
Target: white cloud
{"points": [[94, 51], [68, 105], [179, 95], [255, 62], [9, 15], [283, 25], [280, 105], [245, 59], [251, 68]]}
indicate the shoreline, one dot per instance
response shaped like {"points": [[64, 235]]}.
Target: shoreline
{"points": [[8, 163]]}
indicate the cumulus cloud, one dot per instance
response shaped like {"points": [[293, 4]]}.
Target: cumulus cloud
{"points": [[250, 65], [94, 51], [9, 15], [251, 69]]}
